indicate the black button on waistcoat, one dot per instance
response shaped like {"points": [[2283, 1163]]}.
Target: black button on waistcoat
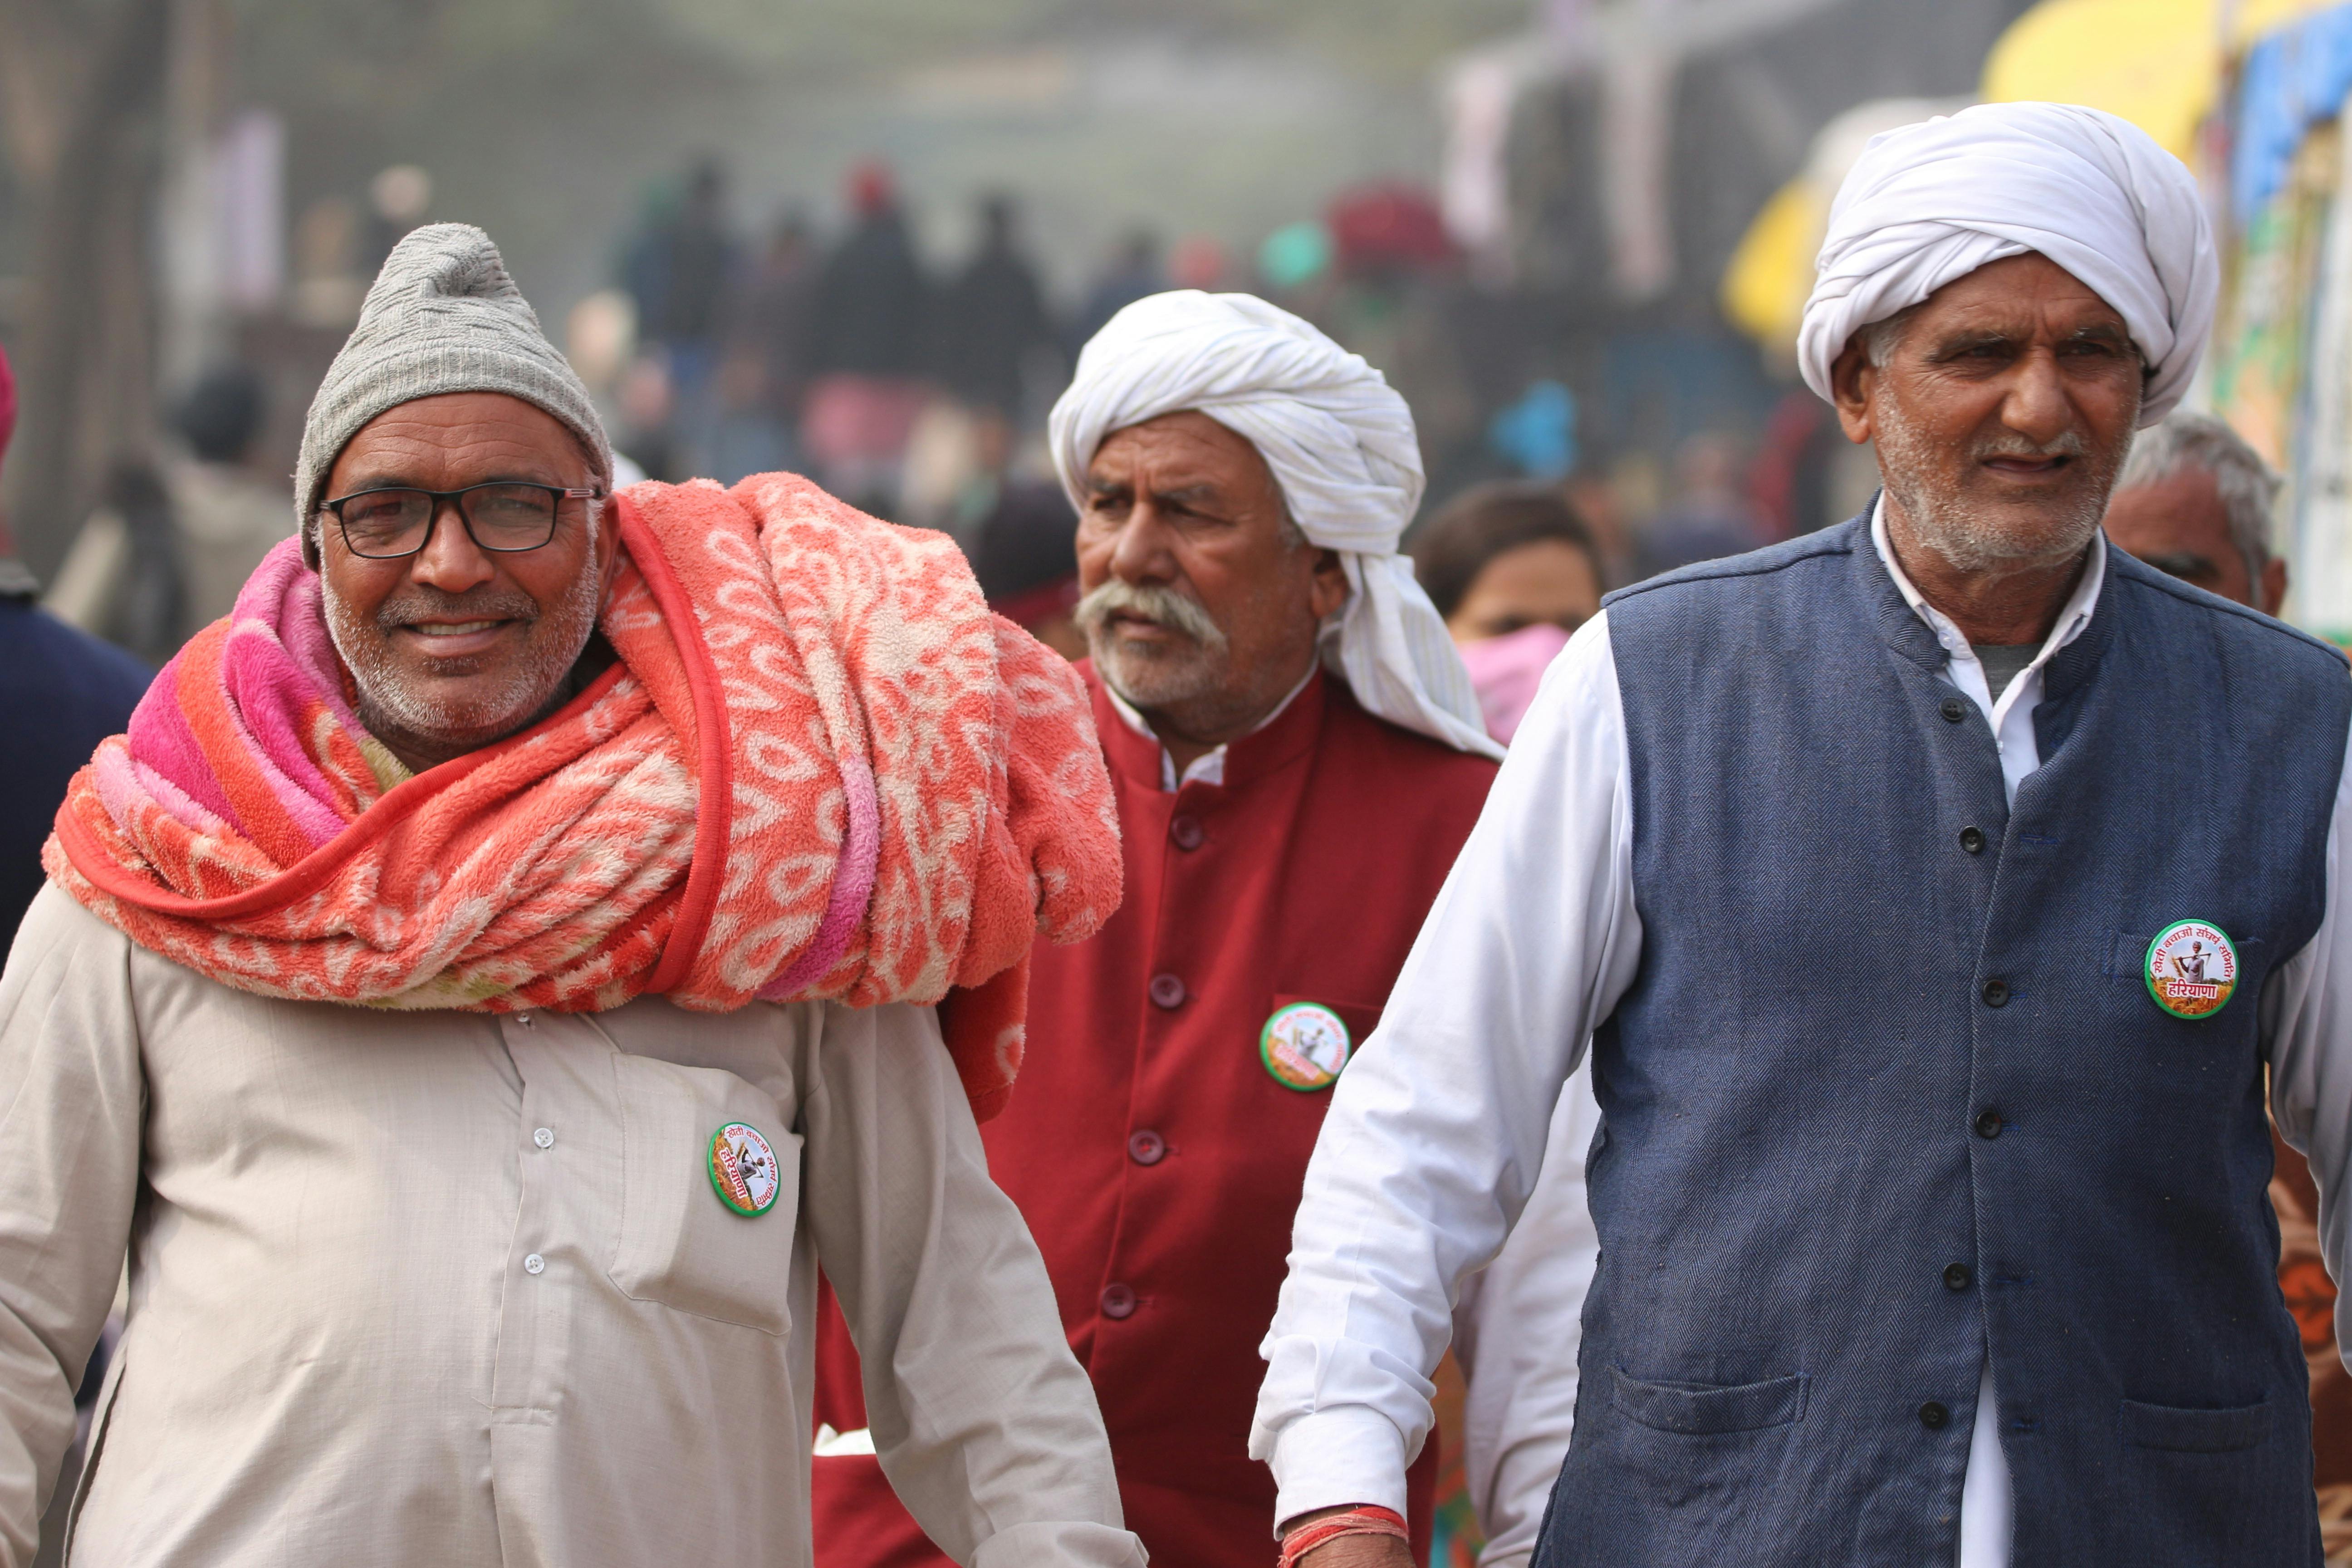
{"points": [[1953, 708], [1996, 993], [1934, 1416], [1956, 1277], [1988, 1123], [1972, 839]]}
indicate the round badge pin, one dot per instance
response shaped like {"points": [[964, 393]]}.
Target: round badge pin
{"points": [[1303, 1045], [2192, 968], [743, 1169]]}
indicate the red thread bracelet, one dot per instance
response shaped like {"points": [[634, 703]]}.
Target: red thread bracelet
{"points": [[1363, 1520]]}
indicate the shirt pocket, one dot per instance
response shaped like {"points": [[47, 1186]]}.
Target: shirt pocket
{"points": [[2178, 1430], [1699, 1410], [680, 1245]]}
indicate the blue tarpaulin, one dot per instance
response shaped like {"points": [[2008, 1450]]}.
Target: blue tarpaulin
{"points": [[2293, 79]]}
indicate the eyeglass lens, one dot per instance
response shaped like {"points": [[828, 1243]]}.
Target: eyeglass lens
{"points": [[500, 517]]}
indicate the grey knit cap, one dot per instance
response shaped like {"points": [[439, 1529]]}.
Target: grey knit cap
{"points": [[442, 317]]}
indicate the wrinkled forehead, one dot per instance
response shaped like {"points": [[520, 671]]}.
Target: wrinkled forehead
{"points": [[1185, 445], [2021, 298]]}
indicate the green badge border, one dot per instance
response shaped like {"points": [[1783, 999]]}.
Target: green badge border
{"points": [[710, 1169], [2147, 975], [1266, 1045]]}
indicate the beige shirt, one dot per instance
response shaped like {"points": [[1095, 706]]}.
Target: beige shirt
{"points": [[445, 1288]]}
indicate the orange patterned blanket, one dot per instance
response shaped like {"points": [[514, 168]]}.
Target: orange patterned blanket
{"points": [[819, 769]]}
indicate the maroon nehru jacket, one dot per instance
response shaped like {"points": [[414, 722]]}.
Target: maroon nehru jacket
{"points": [[1158, 1159]]}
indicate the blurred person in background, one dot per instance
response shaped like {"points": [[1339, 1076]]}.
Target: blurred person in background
{"points": [[123, 578], [869, 348], [229, 515], [1296, 751], [992, 317], [1023, 557], [474, 1170], [1514, 571], [763, 375], [2195, 501], [1132, 271], [62, 691], [698, 278], [1707, 514]]}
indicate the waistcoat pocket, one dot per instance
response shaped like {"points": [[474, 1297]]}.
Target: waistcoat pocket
{"points": [[680, 1245], [1700, 1410], [2184, 1431]]}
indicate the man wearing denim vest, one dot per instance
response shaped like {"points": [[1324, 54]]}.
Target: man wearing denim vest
{"points": [[1930, 1188]]}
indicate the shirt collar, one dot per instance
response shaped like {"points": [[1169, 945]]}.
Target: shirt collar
{"points": [[2073, 617], [1210, 767]]}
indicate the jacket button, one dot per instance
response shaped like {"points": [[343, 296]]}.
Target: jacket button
{"points": [[1954, 710], [1147, 1148], [1996, 993], [1934, 1416], [1118, 1301], [1166, 991], [1988, 1123], [1956, 1277], [1188, 833], [1972, 840]]}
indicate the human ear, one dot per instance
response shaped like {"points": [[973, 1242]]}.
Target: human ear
{"points": [[1326, 590], [1851, 379]]}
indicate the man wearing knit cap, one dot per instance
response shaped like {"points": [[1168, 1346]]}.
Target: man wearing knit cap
{"points": [[495, 971], [1930, 1188], [1296, 751]]}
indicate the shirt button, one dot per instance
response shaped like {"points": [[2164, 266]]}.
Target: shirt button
{"points": [[524, 1019], [1166, 991], [1934, 1416], [1953, 708], [1956, 1277], [1188, 833], [1118, 1301], [1988, 1123], [544, 1137], [534, 1264], [1972, 840], [1996, 993], [1147, 1148]]}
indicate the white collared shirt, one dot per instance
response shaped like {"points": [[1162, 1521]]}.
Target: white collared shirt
{"points": [[1209, 768], [1431, 1148]]}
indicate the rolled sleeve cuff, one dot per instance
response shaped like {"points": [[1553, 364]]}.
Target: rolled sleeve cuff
{"points": [[1335, 1458]]}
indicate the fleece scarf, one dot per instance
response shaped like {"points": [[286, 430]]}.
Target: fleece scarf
{"points": [[818, 769]]}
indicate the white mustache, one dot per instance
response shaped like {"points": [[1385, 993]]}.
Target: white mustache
{"points": [[1150, 602]]}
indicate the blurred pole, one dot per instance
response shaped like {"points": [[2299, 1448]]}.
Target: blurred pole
{"points": [[87, 364], [194, 331]]}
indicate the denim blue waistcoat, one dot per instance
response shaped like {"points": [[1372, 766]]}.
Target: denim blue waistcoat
{"points": [[1840, 1165]]}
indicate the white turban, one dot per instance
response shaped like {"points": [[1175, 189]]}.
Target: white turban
{"points": [[1341, 442], [1932, 202]]}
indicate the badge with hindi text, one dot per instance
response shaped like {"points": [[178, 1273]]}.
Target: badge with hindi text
{"points": [[743, 1169], [1303, 1045], [2190, 969]]}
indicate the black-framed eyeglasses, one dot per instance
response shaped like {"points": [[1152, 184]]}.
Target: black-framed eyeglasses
{"points": [[505, 515]]}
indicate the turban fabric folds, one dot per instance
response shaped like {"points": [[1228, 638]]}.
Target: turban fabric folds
{"points": [[1931, 202], [1341, 445]]}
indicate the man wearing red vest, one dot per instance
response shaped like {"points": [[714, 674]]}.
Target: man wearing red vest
{"points": [[1296, 756]]}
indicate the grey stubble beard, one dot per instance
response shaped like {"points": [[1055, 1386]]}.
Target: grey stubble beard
{"points": [[1976, 538]]}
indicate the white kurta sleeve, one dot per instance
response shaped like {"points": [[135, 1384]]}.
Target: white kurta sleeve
{"points": [[2307, 1008], [72, 1110], [983, 1421], [1516, 1330], [1438, 1129]]}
